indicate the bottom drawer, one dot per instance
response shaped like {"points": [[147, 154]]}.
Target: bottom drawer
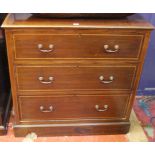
{"points": [[72, 107]]}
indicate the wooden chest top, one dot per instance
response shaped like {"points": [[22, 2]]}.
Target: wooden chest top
{"points": [[28, 20]]}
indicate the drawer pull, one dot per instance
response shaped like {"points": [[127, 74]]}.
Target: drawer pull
{"points": [[42, 109], [105, 107], [111, 78], [40, 47], [116, 48], [41, 79]]}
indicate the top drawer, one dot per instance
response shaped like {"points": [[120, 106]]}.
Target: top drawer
{"points": [[93, 46]]}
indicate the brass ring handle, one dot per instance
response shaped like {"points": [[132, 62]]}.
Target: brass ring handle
{"points": [[42, 109], [40, 47], [101, 78], [116, 48], [41, 79], [105, 107]]}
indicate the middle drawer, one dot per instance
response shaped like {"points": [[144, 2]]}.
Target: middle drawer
{"points": [[48, 78]]}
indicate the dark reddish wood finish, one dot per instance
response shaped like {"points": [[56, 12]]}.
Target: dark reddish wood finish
{"points": [[73, 129], [76, 62], [73, 107], [84, 77], [77, 45]]}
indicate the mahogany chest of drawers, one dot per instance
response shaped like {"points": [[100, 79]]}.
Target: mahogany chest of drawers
{"points": [[74, 76]]}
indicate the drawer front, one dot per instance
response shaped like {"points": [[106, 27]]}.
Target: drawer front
{"points": [[51, 78], [72, 107], [77, 46]]}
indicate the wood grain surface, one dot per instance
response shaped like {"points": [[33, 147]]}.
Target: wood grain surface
{"points": [[76, 62]]}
